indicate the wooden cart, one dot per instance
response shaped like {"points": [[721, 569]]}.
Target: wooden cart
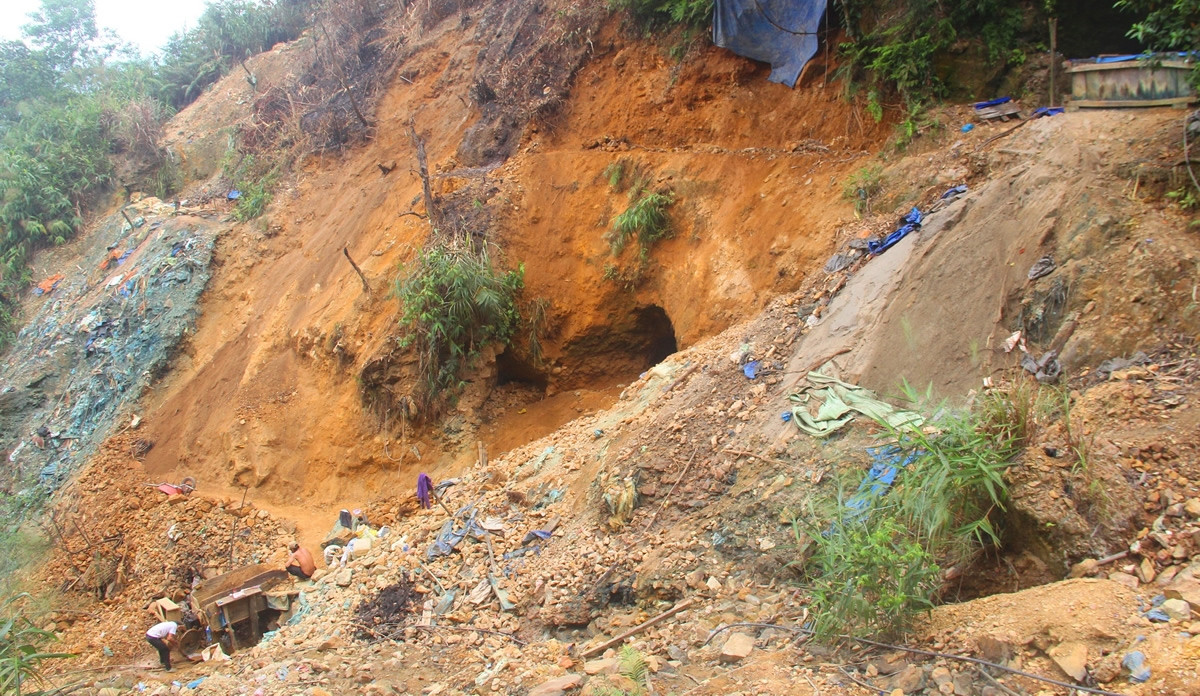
{"points": [[223, 602]]}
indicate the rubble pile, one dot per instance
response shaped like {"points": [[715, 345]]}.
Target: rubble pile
{"points": [[158, 546]]}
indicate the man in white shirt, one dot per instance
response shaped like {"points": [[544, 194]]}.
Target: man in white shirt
{"points": [[163, 636]]}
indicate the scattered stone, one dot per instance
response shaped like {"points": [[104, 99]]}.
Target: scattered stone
{"points": [[909, 680], [714, 584], [1071, 658], [1177, 609], [606, 666], [557, 687], [1124, 579], [1185, 585], [342, 577], [1145, 571], [994, 650], [1192, 508], [1084, 568], [738, 647], [1107, 668]]}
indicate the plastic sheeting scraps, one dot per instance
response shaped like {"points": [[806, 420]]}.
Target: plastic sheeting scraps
{"points": [[1135, 662], [1106, 368], [302, 610], [450, 537], [780, 32], [1045, 369], [992, 102], [1042, 267], [1047, 111], [955, 191], [49, 284], [886, 463], [908, 223], [838, 402], [102, 347]]}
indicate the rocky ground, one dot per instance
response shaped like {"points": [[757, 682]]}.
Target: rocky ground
{"points": [[712, 468], [663, 510]]}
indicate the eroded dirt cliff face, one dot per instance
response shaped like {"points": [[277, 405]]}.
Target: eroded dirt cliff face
{"points": [[282, 393], [271, 389]]}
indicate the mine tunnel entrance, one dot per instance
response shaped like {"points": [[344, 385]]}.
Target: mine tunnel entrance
{"points": [[654, 329], [532, 400], [512, 370]]}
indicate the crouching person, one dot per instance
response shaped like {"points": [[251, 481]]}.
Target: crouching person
{"points": [[164, 636], [300, 563]]}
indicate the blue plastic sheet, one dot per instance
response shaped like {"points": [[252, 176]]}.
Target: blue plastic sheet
{"points": [[1142, 56], [909, 223], [1135, 662], [886, 462], [1047, 111], [750, 369], [992, 102], [780, 32], [450, 537]]}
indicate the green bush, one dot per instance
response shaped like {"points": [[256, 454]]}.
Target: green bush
{"points": [[645, 220], [454, 302], [870, 578], [665, 13], [874, 570], [21, 654], [863, 186], [1166, 26], [229, 31], [892, 48], [635, 673]]}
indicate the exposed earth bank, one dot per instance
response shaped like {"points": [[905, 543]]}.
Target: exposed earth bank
{"points": [[664, 474]]}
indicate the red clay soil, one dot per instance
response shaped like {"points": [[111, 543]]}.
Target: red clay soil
{"points": [[266, 394]]}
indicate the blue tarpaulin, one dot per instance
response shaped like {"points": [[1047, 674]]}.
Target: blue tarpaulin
{"points": [[780, 32], [908, 223]]}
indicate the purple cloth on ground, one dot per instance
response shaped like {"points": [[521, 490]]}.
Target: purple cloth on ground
{"points": [[424, 488]]}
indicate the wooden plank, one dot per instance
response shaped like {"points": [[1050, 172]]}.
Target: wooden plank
{"points": [[1126, 65], [999, 111], [1079, 86], [229, 628], [252, 605], [1131, 103]]}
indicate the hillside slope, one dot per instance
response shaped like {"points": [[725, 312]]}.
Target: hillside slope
{"points": [[658, 469]]}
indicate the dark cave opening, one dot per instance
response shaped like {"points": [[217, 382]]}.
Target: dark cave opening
{"points": [[656, 333], [510, 368]]}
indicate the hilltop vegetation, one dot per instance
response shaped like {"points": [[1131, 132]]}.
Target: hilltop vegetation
{"points": [[74, 101]]}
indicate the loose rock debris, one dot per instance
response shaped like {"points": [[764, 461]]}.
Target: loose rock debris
{"points": [[701, 444]]}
